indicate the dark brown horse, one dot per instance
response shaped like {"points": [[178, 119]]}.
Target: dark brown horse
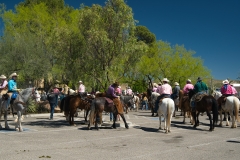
{"points": [[100, 104], [151, 105], [72, 103], [206, 104], [184, 105]]}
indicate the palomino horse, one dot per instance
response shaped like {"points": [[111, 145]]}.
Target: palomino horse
{"points": [[100, 104], [4, 108], [20, 102], [184, 105], [206, 104], [166, 108], [232, 106]]}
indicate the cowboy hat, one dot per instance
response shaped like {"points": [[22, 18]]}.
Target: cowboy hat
{"points": [[165, 80], [189, 80], [176, 84], [80, 82], [13, 75], [3, 77], [159, 83], [155, 84], [225, 81]]}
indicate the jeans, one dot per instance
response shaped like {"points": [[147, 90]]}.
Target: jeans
{"points": [[111, 116], [52, 106], [146, 105], [157, 101]]}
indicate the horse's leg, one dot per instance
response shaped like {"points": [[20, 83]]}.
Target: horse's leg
{"points": [[160, 121], [96, 121], [227, 122], [195, 119], [86, 115], [165, 123], [5, 118], [233, 119], [0, 118], [18, 124], [184, 116], [211, 122], [197, 122], [220, 112], [124, 120]]}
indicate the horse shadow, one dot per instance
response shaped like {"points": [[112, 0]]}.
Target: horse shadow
{"points": [[147, 129], [47, 123], [189, 127]]}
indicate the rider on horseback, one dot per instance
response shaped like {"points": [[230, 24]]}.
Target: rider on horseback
{"points": [[81, 90], [200, 88], [3, 85], [226, 91], [165, 92], [176, 90], [187, 87]]}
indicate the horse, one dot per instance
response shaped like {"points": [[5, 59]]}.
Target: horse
{"points": [[217, 95], [166, 108], [127, 101], [151, 105], [100, 104], [206, 104], [232, 106], [4, 108], [184, 105], [20, 102], [153, 98], [75, 103]]}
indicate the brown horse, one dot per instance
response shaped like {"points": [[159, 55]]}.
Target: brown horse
{"points": [[70, 104], [100, 104], [207, 104], [151, 105], [184, 105]]}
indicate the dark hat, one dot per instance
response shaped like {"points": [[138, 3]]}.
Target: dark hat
{"points": [[199, 79], [116, 84]]}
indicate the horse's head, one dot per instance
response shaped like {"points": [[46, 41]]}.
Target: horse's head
{"points": [[29, 92], [191, 93]]}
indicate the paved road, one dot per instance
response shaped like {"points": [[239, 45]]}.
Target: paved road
{"points": [[55, 139]]}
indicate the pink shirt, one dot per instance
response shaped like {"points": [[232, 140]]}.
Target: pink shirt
{"points": [[226, 91], [81, 88], [166, 89], [187, 87], [4, 84], [129, 91], [118, 91], [154, 89], [234, 90], [158, 89], [55, 90]]}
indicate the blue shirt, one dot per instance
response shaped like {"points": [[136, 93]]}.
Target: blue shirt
{"points": [[12, 85]]}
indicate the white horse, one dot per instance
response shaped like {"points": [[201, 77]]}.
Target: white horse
{"points": [[232, 106], [4, 109], [166, 108], [20, 102]]}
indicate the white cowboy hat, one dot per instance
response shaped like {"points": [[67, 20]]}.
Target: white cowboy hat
{"points": [[176, 84], [13, 75], [3, 77], [155, 84], [225, 81], [165, 80], [80, 82], [189, 80]]}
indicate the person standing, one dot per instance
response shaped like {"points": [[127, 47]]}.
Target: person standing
{"points": [[56, 92], [145, 102], [51, 97]]}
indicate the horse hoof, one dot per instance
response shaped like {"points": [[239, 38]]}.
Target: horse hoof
{"points": [[195, 126], [20, 130], [126, 126]]}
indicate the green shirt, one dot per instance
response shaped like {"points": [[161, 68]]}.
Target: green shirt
{"points": [[200, 86]]}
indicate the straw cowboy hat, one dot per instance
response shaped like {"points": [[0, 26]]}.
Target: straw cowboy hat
{"points": [[13, 75], [155, 84], [225, 81], [3, 77], [159, 83], [189, 80], [80, 82], [176, 84], [165, 80]]}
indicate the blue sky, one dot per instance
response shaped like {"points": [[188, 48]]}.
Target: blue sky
{"points": [[209, 27]]}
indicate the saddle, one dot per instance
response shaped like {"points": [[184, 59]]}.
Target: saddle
{"points": [[199, 97]]}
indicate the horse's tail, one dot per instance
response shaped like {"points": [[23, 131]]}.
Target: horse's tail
{"points": [[92, 113], [168, 114], [236, 107], [215, 109]]}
